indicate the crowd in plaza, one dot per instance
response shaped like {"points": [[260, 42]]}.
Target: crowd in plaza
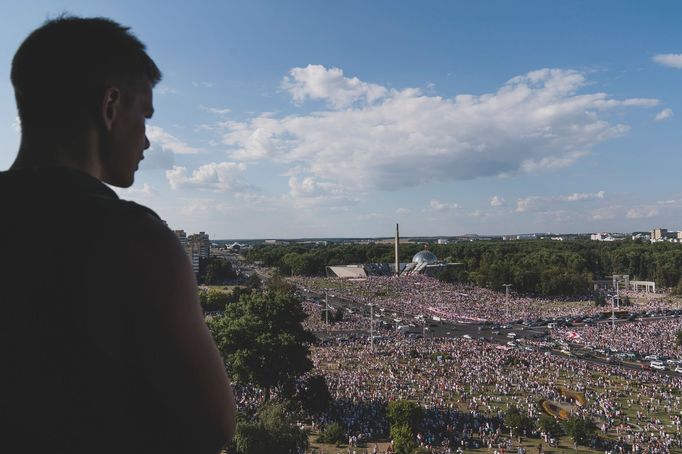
{"points": [[422, 295], [655, 337], [317, 320], [466, 388]]}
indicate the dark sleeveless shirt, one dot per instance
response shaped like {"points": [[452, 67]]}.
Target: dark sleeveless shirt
{"points": [[63, 388]]}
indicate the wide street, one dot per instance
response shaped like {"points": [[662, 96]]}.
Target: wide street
{"points": [[520, 336]]}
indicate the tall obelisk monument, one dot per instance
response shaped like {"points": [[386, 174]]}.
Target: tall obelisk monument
{"points": [[397, 250]]}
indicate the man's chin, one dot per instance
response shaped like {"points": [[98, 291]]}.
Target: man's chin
{"points": [[120, 182]]}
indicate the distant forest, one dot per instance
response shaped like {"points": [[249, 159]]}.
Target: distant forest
{"points": [[541, 267]]}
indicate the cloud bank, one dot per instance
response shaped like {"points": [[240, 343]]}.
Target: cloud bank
{"points": [[216, 177], [372, 137], [670, 60]]}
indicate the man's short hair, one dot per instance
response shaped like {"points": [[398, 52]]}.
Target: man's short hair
{"points": [[61, 70]]}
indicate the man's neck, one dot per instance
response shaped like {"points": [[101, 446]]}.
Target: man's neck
{"points": [[81, 155]]}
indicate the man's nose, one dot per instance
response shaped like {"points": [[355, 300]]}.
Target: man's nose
{"points": [[146, 142]]}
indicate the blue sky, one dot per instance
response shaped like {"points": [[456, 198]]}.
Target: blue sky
{"points": [[323, 119]]}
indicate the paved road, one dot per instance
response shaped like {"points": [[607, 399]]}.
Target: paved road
{"points": [[476, 331]]}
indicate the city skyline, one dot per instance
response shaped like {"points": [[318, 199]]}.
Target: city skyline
{"points": [[311, 120]]}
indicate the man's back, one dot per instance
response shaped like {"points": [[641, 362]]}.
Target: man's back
{"points": [[71, 371]]}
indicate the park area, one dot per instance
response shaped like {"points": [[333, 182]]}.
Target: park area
{"points": [[455, 394]]}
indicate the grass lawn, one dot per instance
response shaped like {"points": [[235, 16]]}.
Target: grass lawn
{"points": [[221, 288]]}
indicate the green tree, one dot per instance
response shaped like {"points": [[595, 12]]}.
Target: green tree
{"points": [[599, 299], [215, 270], [253, 282], [580, 429], [518, 422], [213, 300], [262, 340], [453, 274], [332, 433], [403, 439], [313, 394], [274, 430], [550, 425], [278, 284], [405, 413]]}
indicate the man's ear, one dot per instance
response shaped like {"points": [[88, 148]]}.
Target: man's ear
{"points": [[111, 106]]}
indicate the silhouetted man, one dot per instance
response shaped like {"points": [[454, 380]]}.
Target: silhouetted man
{"points": [[103, 345]]}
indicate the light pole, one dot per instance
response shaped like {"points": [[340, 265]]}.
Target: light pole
{"points": [[371, 325], [326, 310], [618, 294], [506, 297], [613, 313]]}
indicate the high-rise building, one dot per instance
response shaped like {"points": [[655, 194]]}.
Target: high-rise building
{"points": [[659, 234], [182, 236], [201, 243], [197, 246]]}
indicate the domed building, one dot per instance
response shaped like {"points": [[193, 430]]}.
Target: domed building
{"points": [[423, 262], [425, 256]]}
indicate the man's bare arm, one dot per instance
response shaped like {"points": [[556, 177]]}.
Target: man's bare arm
{"points": [[176, 351]]}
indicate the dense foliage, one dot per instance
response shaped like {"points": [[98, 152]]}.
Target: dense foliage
{"points": [[405, 413], [550, 425], [580, 429], [262, 341], [532, 267], [333, 434], [273, 430], [517, 422], [215, 270]]}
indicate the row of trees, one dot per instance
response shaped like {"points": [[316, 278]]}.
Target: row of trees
{"points": [[262, 341], [533, 267]]}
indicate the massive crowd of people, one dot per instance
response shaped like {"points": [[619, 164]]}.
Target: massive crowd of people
{"points": [[422, 295], [467, 386], [655, 337]]}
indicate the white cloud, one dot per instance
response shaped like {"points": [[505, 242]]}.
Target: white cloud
{"points": [[664, 114], [671, 60], [204, 207], [16, 124], [215, 110], [497, 201], [605, 213], [135, 192], [167, 141], [203, 84], [542, 203], [641, 213], [667, 202], [441, 206], [580, 196], [309, 191], [402, 211], [156, 158], [318, 82], [163, 89], [216, 176], [376, 138]]}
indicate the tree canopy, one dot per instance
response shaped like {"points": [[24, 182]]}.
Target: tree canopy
{"points": [[580, 429], [262, 340], [531, 266], [273, 430], [215, 270]]}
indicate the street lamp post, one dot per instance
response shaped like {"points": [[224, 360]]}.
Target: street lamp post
{"points": [[371, 325], [326, 310], [506, 297]]}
